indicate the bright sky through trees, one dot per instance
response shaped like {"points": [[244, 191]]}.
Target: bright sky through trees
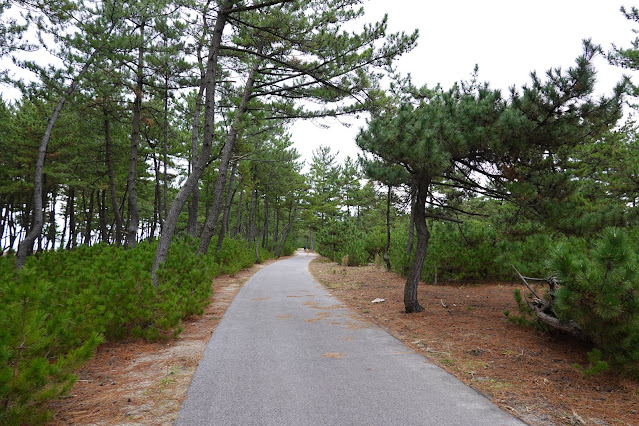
{"points": [[507, 39]]}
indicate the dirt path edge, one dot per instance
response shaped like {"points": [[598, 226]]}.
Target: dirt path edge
{"points": [[141, 383]]}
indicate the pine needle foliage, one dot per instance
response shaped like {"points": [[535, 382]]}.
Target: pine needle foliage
{"points": [[600, 291], [63, 304]]}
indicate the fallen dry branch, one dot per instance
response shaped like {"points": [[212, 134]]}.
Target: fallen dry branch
{"points": [[540, 307], [544, 309]]}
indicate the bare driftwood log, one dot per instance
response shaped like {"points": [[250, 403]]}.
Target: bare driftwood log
{"points": [[543, 309]]}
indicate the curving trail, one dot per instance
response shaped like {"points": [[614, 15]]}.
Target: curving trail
{"points": [[288, 353]]}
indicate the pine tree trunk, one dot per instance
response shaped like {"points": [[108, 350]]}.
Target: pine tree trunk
{"points": [[265, 230], [72, 231], [25, 220], [195, 196], [275, 231], [52, 228], [89, 219], [134, 213], [238, 224], [411, 225], [388, 232], [181, 197], [102, 209], [227, 207], [286, 232], [7, 208], [165, 152], [63, 236], [44, 208], [195, 135], [26, 245], [211, 221], [252, 216], [3, 216], [157, 200], [114, 198], [411, 302], [312, 240]]}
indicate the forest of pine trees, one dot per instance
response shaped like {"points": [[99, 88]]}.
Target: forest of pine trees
{"points": [[151, 151]]}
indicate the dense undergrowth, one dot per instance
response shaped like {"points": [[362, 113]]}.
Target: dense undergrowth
{"points": [[470, 251], [63, 304], [598, 275]]}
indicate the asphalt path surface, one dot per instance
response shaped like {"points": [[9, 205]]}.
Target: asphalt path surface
{"points": [[288, 353]]}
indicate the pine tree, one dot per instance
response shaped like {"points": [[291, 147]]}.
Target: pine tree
{"points": [[469, 137], [601, 293]]}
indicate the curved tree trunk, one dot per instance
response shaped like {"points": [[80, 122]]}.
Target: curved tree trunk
{"points": [[220, 184], [227, 208], [195, 135], [181, 197], [286, 232], [108, 146], [38, 217], [411, 224], [134, 212], [411, 302]]}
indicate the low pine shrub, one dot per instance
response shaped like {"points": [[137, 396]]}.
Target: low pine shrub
{"points": [[37, 358], [234, 255], [355, 252], [461, 252], [263, 254], [600, 291], [375, 241], [342, 238], [61, 305], [289, 248], [595, 364]]}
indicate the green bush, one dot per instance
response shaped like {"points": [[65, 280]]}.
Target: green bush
{"points": [[530, 253], [455, 252], [400, 261], [355, 249], [461, 252], [289, 248], [600, 291], [61, 305], [37, 358], [595, 364], [234, 255], [375, 241], [342, 238]]}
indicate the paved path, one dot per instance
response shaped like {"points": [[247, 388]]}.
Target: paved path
{"points": [[289, 353]]}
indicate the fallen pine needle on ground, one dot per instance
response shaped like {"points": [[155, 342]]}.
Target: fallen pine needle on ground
{"points": [[136, 382], [463, 329]]}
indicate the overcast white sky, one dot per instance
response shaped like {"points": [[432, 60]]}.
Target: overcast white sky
{"points": [[507, 39]]}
